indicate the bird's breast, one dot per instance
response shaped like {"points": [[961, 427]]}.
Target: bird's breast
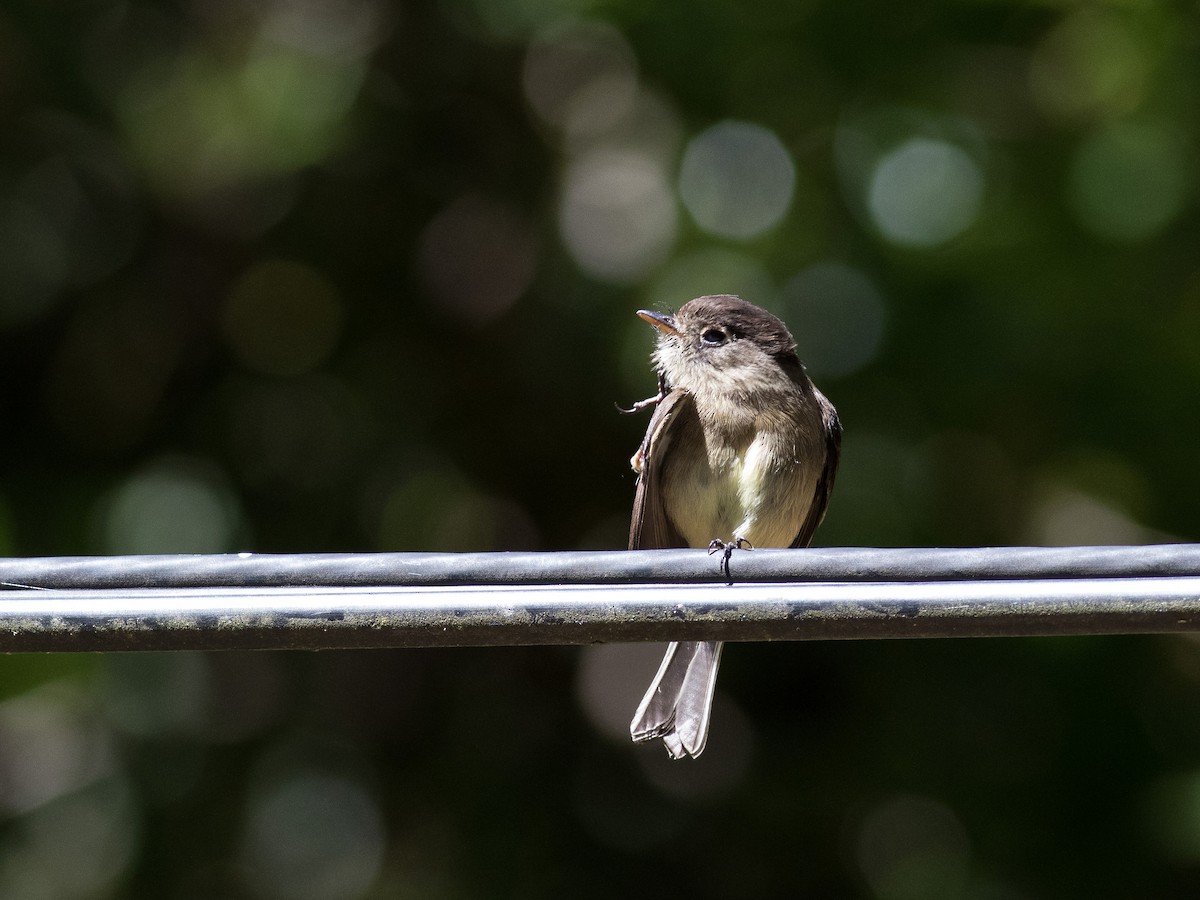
{"points": [[724, 486]]}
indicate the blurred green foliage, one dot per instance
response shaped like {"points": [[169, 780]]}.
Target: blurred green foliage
{"points": [[357, 275]]}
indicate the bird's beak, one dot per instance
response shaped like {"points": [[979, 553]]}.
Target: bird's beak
{"points": [[661, 321]]}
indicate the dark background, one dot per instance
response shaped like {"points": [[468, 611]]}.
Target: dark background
{"points": [[351, 275]]}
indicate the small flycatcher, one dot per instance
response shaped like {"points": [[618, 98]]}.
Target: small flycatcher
{"points": [[742, 449]]}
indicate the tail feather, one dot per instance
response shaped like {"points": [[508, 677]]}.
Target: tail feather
{"points": [[678, 705]]}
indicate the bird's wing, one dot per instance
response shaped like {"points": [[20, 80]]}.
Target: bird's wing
{"points": [[678, 703], [650, 529], [832, 427]]}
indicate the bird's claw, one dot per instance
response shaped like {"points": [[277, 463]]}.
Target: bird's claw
{"points": [[649, 401], [726, 549]]}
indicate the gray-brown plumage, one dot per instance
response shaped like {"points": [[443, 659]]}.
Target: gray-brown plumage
{"points": [[741, 447]]}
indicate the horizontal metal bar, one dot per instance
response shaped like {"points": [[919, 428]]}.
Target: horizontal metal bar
{"points": [[599, 567], [484, 615]]}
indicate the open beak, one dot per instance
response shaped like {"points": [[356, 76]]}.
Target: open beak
{"points": [[661, 321]]}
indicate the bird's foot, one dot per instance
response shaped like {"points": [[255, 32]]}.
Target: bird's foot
{"points": [[649, 401], [726, 548]]}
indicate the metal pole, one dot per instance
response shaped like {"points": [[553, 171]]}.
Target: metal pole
{"points": [[599, 567], [485, 615]]}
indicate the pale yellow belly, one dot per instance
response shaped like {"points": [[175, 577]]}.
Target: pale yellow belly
{"points": [[739, 495]]}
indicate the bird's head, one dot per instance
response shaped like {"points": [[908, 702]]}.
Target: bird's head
{"points": [[723, 344]]}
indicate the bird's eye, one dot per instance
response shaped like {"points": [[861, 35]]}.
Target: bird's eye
{"points": [[712, 337]]}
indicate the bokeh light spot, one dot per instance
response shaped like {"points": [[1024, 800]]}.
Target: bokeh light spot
{"points": [[335, 29], [913, 848], [737, 180], [66, 222], [157, 694], [33, 261], [294, 434], [478, 257], [649, 124], [77, 846], [617, 215], [513, 19], [1127, 182], [52, 743], [435, 508], [840, 318], [88, 194], [282, 317], [212, 130], [610, 681], [585, 64], [1063, 516], [1172, 814], [174, 505], [313, 836], [1089, 66], [713, 271], [924, 192]]}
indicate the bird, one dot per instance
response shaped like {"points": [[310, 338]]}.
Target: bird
{"points": [[741, 451]]}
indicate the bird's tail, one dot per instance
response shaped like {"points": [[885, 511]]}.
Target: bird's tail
{"points": [[678, 705]]}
